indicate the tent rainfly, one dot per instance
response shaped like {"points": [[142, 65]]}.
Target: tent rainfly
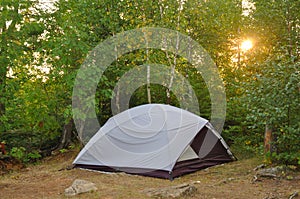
{"points": [[154, 140]]}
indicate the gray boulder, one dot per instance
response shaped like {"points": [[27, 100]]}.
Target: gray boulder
{"points": [[80, 186], [172, 192]]}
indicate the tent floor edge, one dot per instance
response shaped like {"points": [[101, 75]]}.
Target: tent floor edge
{"points": [[132, 171], [180, 168], [194, 165]]}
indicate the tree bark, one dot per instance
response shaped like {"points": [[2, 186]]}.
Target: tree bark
{"points": [[173, 65], [66, 136], [118, 86], [268, 138], [148, 71]]}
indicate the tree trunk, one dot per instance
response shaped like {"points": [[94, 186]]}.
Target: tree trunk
{"points": [[148, 85], [148, 71], [118, 86], [66, 136], [118, 99], [268, 138], [173, 65]]}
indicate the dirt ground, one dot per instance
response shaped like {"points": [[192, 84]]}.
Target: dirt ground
{"points": [[49, 178]]}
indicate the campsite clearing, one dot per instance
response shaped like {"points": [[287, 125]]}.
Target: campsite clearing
{"points": [[49, 179]]}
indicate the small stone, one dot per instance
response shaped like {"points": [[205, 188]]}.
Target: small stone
{"points": [[197, 182], [259, 167], [293, 195], [177, 191], [80, 186]]}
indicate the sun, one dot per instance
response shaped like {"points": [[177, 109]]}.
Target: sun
{"points": [[246, 45]]}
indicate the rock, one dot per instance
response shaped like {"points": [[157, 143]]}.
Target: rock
{"points": [[172, 192], [259, 167], [70, 191], [80, 186], [293, 195], [69, 167], [270, 172], [272, 196], [278, 172]]}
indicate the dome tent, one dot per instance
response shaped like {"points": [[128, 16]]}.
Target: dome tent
{"points": [[154, 140]]}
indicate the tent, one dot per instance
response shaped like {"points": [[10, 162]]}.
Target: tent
{"points": [[154, 140]]}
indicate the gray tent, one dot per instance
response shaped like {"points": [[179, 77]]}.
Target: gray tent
{"points": [[154, 140]]}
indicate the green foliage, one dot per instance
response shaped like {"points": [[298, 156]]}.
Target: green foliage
{"points": [[262, 87], [33, 156], [18, 153], [272, 97], [287, 149], [21, 154], [63, 150], [279, 107]]}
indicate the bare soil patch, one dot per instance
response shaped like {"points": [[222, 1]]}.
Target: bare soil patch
{"points": [[49, 178], [8, 164]]}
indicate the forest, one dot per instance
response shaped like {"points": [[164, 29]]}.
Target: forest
{"points": [[254, 45]]}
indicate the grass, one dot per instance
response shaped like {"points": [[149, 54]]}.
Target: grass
{"points": [[232, 180]]}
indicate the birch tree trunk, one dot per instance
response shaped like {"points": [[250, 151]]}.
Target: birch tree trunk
{"points": [[148, 70], [118, 87], [173, 65]]}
